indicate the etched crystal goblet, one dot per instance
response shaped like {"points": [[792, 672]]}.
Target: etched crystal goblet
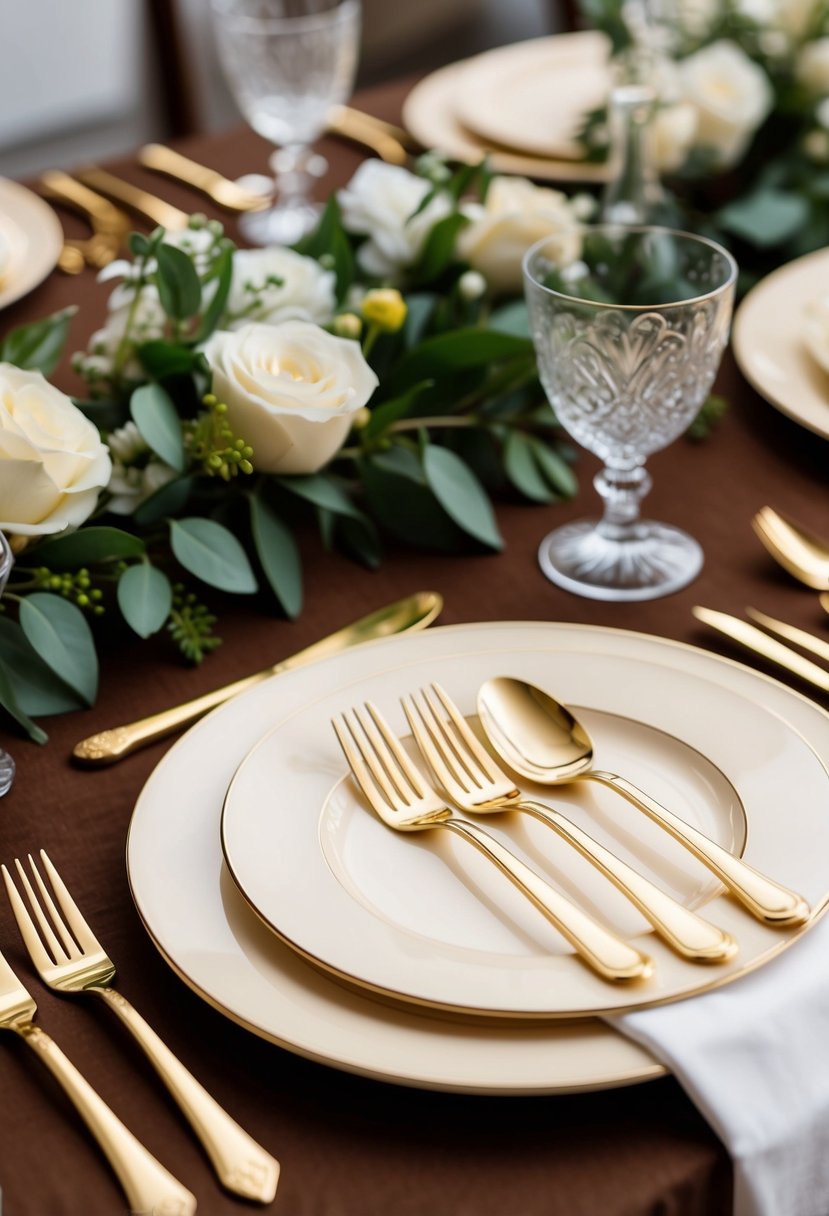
{"points": [[628, 338]]}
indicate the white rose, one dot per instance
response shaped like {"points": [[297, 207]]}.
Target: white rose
{"points": [[672, 135], [795, 16], [731, 95], [696, 17], [516, 215], [812, 65], [379, 202], [290, 391], [52, 460], [306, 291]]}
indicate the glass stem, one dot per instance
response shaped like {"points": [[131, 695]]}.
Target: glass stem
{"points": [[622, 489], [634, 189], [290, 167]]}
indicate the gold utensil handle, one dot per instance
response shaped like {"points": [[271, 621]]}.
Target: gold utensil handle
{"points": [[166, 160], [768, 648], [149, 1187], [351, 124], [62, 187], [242, 1165], [607, 954], [131, 196], [689, 934], [764, 898], [412, 613], [791, 633]]}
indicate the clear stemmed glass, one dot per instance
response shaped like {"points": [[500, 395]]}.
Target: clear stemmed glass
{"points": [[628, 340], [287, 63]]}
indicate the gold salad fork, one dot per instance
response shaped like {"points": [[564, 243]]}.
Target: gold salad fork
{"points": [[77, 963], [148, 1186], [396, 791], [476, 784]]}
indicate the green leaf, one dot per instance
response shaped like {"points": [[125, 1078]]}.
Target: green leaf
{"points": [[439, 248], [39, 345], [59, 632], [145, 598], [522, 469], [162, 359], [213, 554], [460, 350], [419, 308], [321, 491], [767, 217], [382, 416], [330, 239], [461, 495], [9, 701], [277, 551], [88, 545], [168, 500], [512, 318], [154, 413], [357, 535], [107, 415], [178, 283], [404, 505], [556, 470], [223, 271], [38, 691]]}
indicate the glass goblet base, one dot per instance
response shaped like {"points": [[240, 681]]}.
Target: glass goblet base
{"points": [[284, 224], [652, 560]]}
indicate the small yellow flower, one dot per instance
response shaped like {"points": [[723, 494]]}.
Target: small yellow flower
{"points": [[347, 325], [385, 308]]}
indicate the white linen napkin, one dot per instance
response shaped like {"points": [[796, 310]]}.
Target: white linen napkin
{"points": [[754, 1058]]}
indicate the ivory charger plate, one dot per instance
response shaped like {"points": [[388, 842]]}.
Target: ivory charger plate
{"points": [[770, 347], [204, 929], [31, 237]]}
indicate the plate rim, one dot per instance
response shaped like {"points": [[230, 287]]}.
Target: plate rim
{"points": [[47, 230]]}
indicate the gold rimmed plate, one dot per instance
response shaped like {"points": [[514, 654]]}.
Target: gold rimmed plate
{"points": [[196, 917], [31, 238]]}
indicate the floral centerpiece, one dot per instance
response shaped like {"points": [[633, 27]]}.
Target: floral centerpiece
{"points": [[741, 133], [378, 378]]}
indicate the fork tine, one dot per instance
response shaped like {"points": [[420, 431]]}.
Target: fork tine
{"points": [[30, 935], [77, 922], [467, 735], [437, 744], [393, 751], [354, 754], [69, 948]]}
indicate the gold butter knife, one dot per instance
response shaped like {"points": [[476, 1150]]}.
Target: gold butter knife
{"points": [[209, 181], [383, 138], [414, 612], [140, 201], [768, 648]]}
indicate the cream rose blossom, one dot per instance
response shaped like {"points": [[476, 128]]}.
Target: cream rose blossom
{"points": [[276, 285], [731, 96], [812, 66], [672, 135], [291, 391], [53, 463], [379, 202], [516, 215]]}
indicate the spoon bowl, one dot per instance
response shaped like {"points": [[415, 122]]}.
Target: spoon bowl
{"points": [[541, 740]]}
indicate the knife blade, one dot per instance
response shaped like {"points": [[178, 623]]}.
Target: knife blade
{"points": [[414, 612], [209, 181], [155, 209], [768, 648]]}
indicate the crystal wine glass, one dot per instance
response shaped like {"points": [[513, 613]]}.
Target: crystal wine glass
{"points": [[287, 63], [628, 339]]}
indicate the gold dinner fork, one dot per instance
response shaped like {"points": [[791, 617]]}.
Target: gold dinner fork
{"points": [[802, 553], [148, 1186], [396, 791], [77, 963], [476, 784]]}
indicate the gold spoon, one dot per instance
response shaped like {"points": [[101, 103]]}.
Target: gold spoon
{"points": [[802, 553], [542, 741]]}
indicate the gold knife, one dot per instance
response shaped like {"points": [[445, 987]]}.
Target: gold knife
{"points": [[144, 203], [768, 648], [791, 633], [209, 181], [383, 138], [413, 613]]}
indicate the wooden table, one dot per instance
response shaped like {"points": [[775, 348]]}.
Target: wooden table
{"points": [[351, 1146]]}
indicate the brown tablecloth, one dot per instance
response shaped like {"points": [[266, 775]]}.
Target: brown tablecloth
{"points": [[351, 1146]]}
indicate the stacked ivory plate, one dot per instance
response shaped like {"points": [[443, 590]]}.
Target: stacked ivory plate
{"points": [[273, 891], [521, 105]]}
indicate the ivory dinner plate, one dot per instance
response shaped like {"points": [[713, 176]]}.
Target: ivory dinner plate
{"points": [[431, 112], [770, 346], [533, 96], [206, 932], [30, 240], [427, 919]]}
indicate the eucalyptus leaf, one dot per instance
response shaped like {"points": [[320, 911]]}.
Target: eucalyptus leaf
{"points": [[145, 598], [39, 345], [383, 416], [404, 505], [168, 500], [88, 545], [461, 495], [321, 491], [522, 469], [213, 554], [11, 704], [512, 318], [439, 248], [419, 308], [556, 470], [60, 634], [38, 690], [223, 273], [163, 359], [178, 283], [154, 413], [278, 553], [358, 536], [765, 218], [461, 350]]}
